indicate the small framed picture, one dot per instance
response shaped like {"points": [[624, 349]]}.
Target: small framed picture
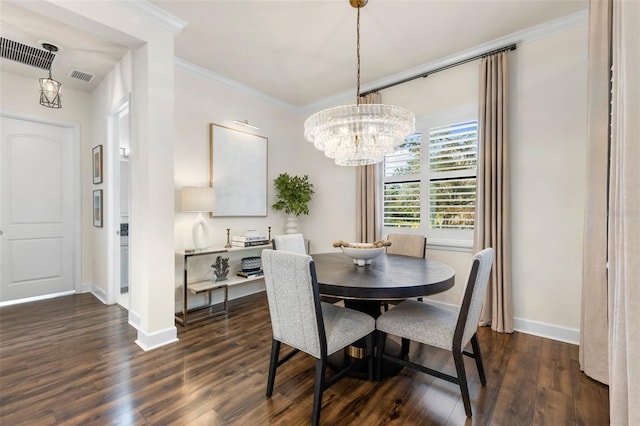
{"points": [[97, 164], [97, 208]]}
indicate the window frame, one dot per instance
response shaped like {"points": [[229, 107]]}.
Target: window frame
{"points": [[439, 239]]}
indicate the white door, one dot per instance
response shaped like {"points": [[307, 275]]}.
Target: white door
{"points": [[36, 216]]}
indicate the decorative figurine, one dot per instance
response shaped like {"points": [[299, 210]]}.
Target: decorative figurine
{"points": [[221, 268], [228, 245]]}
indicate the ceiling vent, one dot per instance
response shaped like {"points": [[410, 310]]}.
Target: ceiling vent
{"points": [[80, 75], [24, 54]]}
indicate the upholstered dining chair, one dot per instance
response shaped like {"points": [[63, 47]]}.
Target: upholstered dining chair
{"points": [[431, 325], [407, 245], [290, 242], [299, 319]]}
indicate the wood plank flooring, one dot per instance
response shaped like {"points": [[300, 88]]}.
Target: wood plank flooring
{"points": [[73, 361]]}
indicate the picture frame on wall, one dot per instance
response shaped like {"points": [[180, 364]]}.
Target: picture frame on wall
{"points": [[97, 164], [97, 208]]}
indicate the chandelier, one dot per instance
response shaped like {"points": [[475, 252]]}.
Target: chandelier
{"points": [[360, 134], [50, 88]]}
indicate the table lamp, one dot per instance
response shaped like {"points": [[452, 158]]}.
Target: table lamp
{"points": [[198, 200]]}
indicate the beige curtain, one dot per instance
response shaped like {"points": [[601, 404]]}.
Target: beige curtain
{"points": [[492, 221], [594, 325], [624, 217], [368, 212]]}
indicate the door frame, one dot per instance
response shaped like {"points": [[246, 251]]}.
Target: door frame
{"points": [[113, 194], [77, 195]]}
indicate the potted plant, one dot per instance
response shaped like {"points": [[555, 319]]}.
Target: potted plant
{"points": [[294, 194]]}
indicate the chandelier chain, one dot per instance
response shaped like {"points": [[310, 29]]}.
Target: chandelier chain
{"points": [[358, 55]]}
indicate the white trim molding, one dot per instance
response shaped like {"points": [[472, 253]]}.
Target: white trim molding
{"points": [[546, 29], [155, 14], [99, 293], [36, 298], [157, 339], [527, 326]]}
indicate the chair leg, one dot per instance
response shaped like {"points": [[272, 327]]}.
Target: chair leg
{"points": [[273, 365], [318, 388], [369, 346], [381, 340], [462, 381], [404, 353], [478, 357]]}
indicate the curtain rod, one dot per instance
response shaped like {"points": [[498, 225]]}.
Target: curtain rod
{"points": [[446, 67]]}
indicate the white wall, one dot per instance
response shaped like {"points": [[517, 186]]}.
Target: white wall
{"points": [[201, 100], [548, 142], [21, 95]]}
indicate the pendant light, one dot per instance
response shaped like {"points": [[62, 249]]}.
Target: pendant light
{"points": [[49, 88], [360, 134]]}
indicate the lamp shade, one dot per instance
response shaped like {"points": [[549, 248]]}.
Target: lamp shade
{"points": [[197, 199]]}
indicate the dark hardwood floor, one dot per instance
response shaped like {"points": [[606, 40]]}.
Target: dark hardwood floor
{"points": [[73, 361]]}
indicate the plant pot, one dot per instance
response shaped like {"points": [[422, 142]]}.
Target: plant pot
{"points": [[291, 225]]}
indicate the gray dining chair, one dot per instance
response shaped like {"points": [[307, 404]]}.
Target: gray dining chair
{"points": [[290, 242], [300, 320], [431, 325]]}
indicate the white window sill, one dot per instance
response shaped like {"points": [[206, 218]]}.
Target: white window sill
{"points": [[450, 245]]}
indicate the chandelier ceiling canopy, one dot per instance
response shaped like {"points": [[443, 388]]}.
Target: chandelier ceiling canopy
{"points": [[360, 134]]}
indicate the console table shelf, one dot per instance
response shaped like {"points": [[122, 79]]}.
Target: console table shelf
{"points": [[185, 317]]}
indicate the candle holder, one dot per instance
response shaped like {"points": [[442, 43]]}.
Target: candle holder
{"points": [[228, 245], [270, 235]]}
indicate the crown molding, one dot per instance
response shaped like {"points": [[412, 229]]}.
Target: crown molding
{"points": [[210, 75], [155, 14], [543, 30]]}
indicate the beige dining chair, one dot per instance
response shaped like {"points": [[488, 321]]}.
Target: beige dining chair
{"points": [[431, 325], [300, 320], [290, 242], [407, 245]]}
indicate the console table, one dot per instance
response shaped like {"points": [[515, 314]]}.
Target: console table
{"points": [[206, 286]]}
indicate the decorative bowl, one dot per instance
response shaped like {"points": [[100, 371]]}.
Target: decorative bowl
{"points": [[362, 255]]}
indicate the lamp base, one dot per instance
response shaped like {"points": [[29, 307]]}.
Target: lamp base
{"points": [[200, 233]]}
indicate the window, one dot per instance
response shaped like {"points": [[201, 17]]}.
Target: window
{"points": [[430, 181]]}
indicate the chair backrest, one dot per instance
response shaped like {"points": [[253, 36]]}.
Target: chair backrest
{"points": [[407, 245], [294, 300], [290, 242], [473, 297]]}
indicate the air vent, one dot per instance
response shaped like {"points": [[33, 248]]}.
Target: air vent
{"points": [[80, 75], [24, 54]]}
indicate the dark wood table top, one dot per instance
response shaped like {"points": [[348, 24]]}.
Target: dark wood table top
{"points": [[388, 277]]}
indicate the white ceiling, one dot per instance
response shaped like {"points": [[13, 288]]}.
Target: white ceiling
{"points": [[300, 51]]}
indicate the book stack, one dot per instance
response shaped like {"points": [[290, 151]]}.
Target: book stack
{"points": [[247, 274], [244, 241]]}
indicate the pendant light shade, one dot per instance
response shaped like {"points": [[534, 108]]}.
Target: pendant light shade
{"points": [[50, 89], [360, 134]]}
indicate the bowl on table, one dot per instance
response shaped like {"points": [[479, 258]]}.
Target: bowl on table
{"points": [[362, 255]]}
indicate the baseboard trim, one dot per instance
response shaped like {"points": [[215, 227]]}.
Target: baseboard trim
{"points": [[134, 320], [99, 293], [157, 339], [36, 298], [550, 331], [535, 328]]}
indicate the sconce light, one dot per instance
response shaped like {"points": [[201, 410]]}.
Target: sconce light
{"points": [[246, 124], [50, 89], [198, 200]]}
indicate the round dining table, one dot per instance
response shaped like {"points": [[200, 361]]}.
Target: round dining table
{"points": [[388, 278]]}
